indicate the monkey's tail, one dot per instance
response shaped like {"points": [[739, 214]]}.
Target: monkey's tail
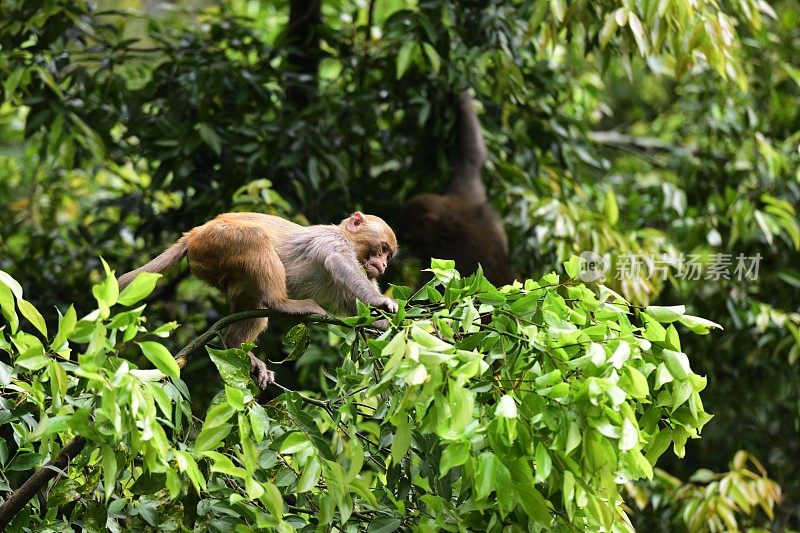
{"points": [[168, 259]]}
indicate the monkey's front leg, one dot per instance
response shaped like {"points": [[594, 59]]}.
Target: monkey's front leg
{"points": [[348, 272]]}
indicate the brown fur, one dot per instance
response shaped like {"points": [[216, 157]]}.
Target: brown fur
{"points": [[460, 224], [263, 261]]}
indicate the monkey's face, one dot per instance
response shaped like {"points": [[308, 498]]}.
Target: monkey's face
{"points": [[377, 260], [373, 241]]}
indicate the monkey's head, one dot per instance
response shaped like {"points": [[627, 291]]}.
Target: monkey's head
{"points": [[420, 223], [373, 241]]}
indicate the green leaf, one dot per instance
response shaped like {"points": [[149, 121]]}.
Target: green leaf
{"points": [[493, 298], [11, 283], [235, 397], [572, 267], [48, 426], [13, 80], [604, 36], [384, 525], [549, 379], [672, 340], [665, 314], [630, 435], [259, 421], [404, 57], [662, 376], [295, 442], [636, 383], [455, 454], [559, 9], [6, 372], [66, 325], [485, 474], [310, 476], [33, 358], [211, 437], [211, 138], [253, 488], [677, 363], [506, 407], [187, 464], [295, 407], [109, 470], [417, 376], [526, 306], [638, 33], [611, 209], [33, 315], [148, 483], [8, 308], [697, 324], [222, 463], [544, 464], [272, 499], [433, 56], [106, 292], [233, 366], [429, 341], [658, 445], [160, 357], [25, 461], [402, 438], [141, 286], [219, 414], [298, 340], [532, 501]]}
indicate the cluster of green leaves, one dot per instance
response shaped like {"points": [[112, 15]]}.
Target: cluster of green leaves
{"points": [[609, 124], [479, 407], [728, 501]]}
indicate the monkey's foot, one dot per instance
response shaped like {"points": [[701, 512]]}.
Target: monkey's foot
{"points": [[261, 374], [381, 324]]}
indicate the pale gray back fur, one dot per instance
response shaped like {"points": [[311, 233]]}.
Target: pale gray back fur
{"points": [[304, 255]]}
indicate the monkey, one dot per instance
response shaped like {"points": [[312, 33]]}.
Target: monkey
{"points": [[264, 261], [460, 224]]}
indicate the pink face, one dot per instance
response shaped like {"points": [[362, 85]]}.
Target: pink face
{"points": [[374, 247], [378, 260]]}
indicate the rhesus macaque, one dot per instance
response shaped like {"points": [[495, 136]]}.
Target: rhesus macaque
{"points": [[263, 261], [460, 224]]}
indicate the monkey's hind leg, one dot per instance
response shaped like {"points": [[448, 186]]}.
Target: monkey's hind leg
{"points": [[244, 331]]}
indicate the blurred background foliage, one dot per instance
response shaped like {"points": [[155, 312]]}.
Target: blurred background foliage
{"points": [[622, 127]]}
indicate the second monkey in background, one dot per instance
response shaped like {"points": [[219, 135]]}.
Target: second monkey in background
{"points": [[460, 224]]}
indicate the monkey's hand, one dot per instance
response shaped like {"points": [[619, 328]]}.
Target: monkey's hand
{"points": [[387, 304], [261, 374]]}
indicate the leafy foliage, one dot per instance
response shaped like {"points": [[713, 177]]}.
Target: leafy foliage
{"points": [[709, 501], [624, 128], [480, 407]]}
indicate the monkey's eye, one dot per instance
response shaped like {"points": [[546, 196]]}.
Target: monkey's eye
{"points": [[385, 249]]}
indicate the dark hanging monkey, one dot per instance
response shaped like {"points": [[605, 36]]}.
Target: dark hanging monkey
{"points": [[460, 224]]}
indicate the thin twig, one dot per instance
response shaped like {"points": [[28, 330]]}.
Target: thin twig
{"points": [[183, 356]]}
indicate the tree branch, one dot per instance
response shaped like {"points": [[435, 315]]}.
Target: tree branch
{"points": [[20, 497], [183, 356]]}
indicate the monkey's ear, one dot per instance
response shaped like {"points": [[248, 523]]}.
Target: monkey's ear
{"points": [[355, 221]]}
